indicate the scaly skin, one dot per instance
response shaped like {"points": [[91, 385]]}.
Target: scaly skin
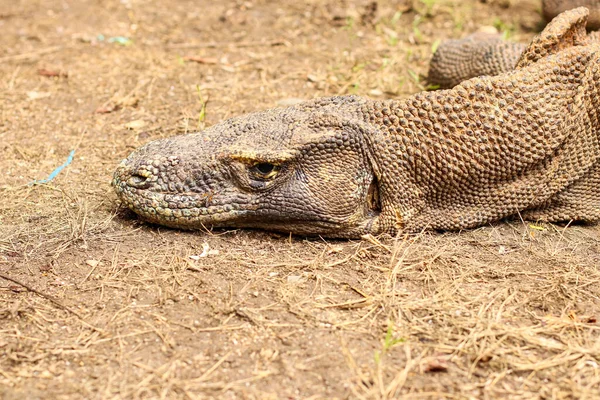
{"points": [[526, 142]]}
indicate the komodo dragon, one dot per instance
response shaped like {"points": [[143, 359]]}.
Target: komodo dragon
{"points": [[526, 142]]}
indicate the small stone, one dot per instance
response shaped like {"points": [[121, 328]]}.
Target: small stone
{"points": [[488, 29], [46, 375], [37, 95], [137, 124]]}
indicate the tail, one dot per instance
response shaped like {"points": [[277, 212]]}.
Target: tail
{"points": [[483, 54], [478, 54]]}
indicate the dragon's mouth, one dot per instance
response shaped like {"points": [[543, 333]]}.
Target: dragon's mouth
{"points": [[197, 211], [141, 191], [179, 210]]}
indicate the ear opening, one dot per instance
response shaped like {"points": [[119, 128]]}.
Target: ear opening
{"points": [[373, 198], [564, 31]]}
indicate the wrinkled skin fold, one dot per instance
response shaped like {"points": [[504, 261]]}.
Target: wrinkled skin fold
{"points": [[522, 143]]}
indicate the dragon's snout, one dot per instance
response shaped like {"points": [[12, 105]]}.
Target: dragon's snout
{"points": [[139, 174]]}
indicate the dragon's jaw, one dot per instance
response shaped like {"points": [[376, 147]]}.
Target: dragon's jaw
{"points": [[196, 211]]}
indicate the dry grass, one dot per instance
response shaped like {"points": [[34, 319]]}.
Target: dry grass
{"points": [[120, 309]]}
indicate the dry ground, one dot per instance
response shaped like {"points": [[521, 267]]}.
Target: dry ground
{"points": [[119, 309]]}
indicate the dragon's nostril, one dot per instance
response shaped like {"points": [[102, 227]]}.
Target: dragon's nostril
{"points": [[138, 181]]}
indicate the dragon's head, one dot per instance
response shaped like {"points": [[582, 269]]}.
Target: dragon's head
{"points": [[304, 169]]}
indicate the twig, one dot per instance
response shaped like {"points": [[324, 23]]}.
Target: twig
{"points": [[32, 54], [221, 328], [212, 369], [53, 300], [213, 45]]}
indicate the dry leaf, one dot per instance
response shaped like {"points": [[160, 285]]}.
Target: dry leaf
{"points": [[436, 365], [201, 60], [51, 73]]}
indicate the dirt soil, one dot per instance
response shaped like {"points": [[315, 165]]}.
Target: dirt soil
{"points": [[96, 304]]}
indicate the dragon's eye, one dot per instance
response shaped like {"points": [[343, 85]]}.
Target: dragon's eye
{"points": [[264, 171]]}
